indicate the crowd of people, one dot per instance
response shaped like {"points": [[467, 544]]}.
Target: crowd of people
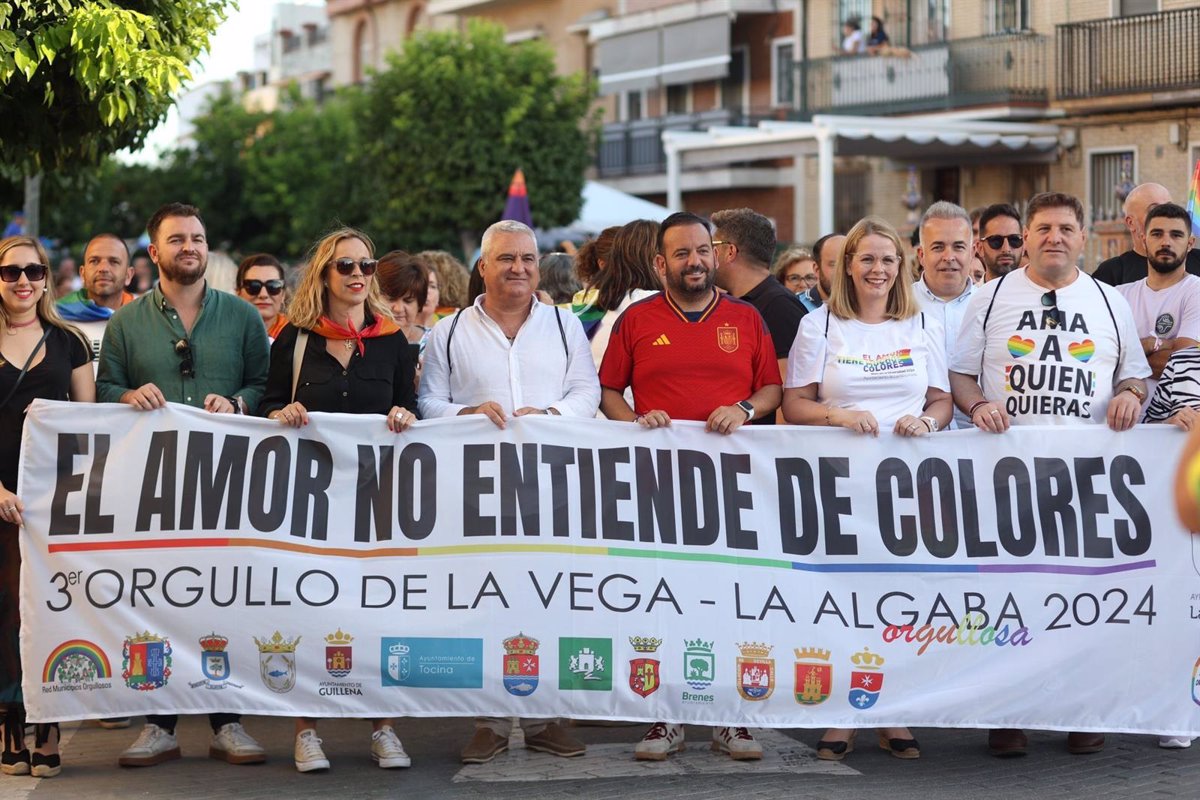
{"points": [[684, 319]]}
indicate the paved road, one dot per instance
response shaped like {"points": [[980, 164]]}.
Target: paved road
{"points": [[954, 764]]}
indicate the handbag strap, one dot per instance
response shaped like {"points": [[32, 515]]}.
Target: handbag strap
{"points": [[25, 369], [298, 359]]}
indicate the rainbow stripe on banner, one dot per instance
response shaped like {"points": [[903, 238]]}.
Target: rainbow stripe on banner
{"points": [[1191, 201]]}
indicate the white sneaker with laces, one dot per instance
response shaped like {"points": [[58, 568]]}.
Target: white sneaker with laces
{"points": [[659, 742], [737, 742], [153, 746], [386, 750], [1174, 742], [232, 744], [309, 755]]}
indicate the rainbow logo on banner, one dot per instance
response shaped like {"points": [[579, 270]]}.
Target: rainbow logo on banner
{"points": [[76, 657], [1192, 196]]}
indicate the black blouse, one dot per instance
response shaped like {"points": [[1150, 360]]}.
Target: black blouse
{"points": [[372, 383]]}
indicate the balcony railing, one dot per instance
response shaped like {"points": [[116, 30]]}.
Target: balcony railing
{"points": [[635, 148], [1128, 55], [1002, 69]]}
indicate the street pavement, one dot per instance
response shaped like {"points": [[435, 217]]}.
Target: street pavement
{"points": [[953, 764]]}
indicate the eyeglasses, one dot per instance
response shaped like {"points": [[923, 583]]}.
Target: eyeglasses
{"points": [[11, 273], [1050, 303], [996, 242], [345, 266], [796, 278], [183, 349], [274, 286]]}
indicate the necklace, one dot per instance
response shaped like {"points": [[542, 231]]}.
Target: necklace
{"points": [[12, 327], [349, 344]]}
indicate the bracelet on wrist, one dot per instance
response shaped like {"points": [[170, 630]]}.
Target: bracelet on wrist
{"points": [[976, 406]]}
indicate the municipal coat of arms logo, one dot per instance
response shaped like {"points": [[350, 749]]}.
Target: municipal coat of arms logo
{"points": [[727, 338], [520, 665], [755, 672], [277, 662], [699, 663], [866, 678], [214, 660], [338, 661], [814, 676], [584, 663], [146, 661], [399, 663], [643, 670]]}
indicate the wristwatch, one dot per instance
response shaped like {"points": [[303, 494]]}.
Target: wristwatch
{"points": [[748, 407], [1137, 391], [931, 423]]}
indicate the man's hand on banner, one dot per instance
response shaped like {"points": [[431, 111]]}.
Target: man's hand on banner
{"points": [[144, 398]]}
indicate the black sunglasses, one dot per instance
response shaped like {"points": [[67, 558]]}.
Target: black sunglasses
{"points": [[345, 266], [11, 273], [995, 242], [1050, 303], [253, 287], [184, 350]]}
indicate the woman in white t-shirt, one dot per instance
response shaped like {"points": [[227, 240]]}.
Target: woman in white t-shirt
{"points": [[869, 359]]}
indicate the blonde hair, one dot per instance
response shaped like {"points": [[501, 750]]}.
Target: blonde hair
{"points": [[308, 301], [843, 299], [47, 310]]}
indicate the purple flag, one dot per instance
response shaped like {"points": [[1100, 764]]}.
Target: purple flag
{"points": [[517, 205]]}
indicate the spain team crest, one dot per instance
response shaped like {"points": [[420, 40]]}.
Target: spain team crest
{"points": [[866, 679], [521, 665], [727, 338], [755, 672], [146, 661], [339, 655], [814, 676], [644, 671]]}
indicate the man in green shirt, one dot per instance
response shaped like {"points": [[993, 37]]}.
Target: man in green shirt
{"points": [[185, 343]]}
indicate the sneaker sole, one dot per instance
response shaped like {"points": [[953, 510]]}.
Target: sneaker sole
{"points": [[483, 759], [230, 758], [560, 753], [15, 769], [112, 725], [639, 755], [392, 763], [312, 766], [149, 761], [42, 771], [717, 747]]}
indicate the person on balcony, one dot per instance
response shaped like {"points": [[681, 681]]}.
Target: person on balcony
{"points": [[852, 38], [877, 39]]}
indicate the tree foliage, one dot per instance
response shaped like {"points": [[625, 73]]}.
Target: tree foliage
{"points": [[81, 79]]}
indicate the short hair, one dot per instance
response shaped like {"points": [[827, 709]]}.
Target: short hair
{"points": [[504, 226], [402, 275], [259, 260], [108, 235], [853, 24], [308, 302], [1044, 200], [678, 219], [843, 299], [452, 277], [819, 245], [976, 214], [630, 264], [942, 209], [785, 260], [587, 260], [1170, 211], [558, 277], [171, 210], [753, 233], [997, 210]]}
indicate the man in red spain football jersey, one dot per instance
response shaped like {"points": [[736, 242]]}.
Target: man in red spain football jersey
{"points": [[690, 352]]}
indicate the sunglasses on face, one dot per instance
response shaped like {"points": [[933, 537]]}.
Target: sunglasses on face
{"points": [[345, 266], [996, 242], [1050, 303], [183, 349], [252, 287], [11, 273]]}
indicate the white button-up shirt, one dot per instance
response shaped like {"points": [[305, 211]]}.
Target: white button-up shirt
{"points": [[479, 363], [950, 313]]}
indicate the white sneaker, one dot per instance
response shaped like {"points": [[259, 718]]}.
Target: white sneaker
{"points": [[153, 746], [1174, 742], [309, 755], [386, 750], [659, 742], [231, 743], [737, 742]]}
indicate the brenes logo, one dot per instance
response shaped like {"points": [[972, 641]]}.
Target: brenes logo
{"points": [[431, 663]]}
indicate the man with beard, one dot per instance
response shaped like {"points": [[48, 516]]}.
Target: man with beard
{"points": [[1130, 266], [1166, 303], [826, 252], [106, 273], [690, 352], [185, 343], [1000, 243]]}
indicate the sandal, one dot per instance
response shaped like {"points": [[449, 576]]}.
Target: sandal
{"points": [[900, 748], [836, 750]]}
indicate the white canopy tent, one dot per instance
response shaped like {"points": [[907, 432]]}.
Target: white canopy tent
{"points": [[604, 206]]}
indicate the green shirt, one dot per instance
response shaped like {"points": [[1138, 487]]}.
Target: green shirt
{"points": [[229, 348]]}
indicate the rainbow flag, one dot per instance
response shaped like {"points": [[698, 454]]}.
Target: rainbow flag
{"points": [[1191, 203]]}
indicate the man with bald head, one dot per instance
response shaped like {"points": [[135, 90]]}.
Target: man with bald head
{"points": [[1131, 265]]}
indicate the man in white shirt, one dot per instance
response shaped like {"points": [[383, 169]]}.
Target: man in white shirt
{"points": [[945, 285], [509, 355], [1049, 344], [1166, 303]]}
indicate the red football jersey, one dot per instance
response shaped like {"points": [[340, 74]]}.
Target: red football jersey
{"points": [[689, 369]]}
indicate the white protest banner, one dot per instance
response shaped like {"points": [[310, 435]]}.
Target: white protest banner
{"points": [[181, 561]]}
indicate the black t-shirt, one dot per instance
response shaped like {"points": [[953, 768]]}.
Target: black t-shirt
{"points": [[782, 312], [49, 380], [1129, 267]]}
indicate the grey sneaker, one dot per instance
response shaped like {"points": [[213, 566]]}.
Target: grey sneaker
{"points": [[153, 746], [386, 750], [231, 743]]}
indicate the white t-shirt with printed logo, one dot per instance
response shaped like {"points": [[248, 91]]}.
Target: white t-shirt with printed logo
{"points": [[885, 368], [1045, 375], [1170, 313]]}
